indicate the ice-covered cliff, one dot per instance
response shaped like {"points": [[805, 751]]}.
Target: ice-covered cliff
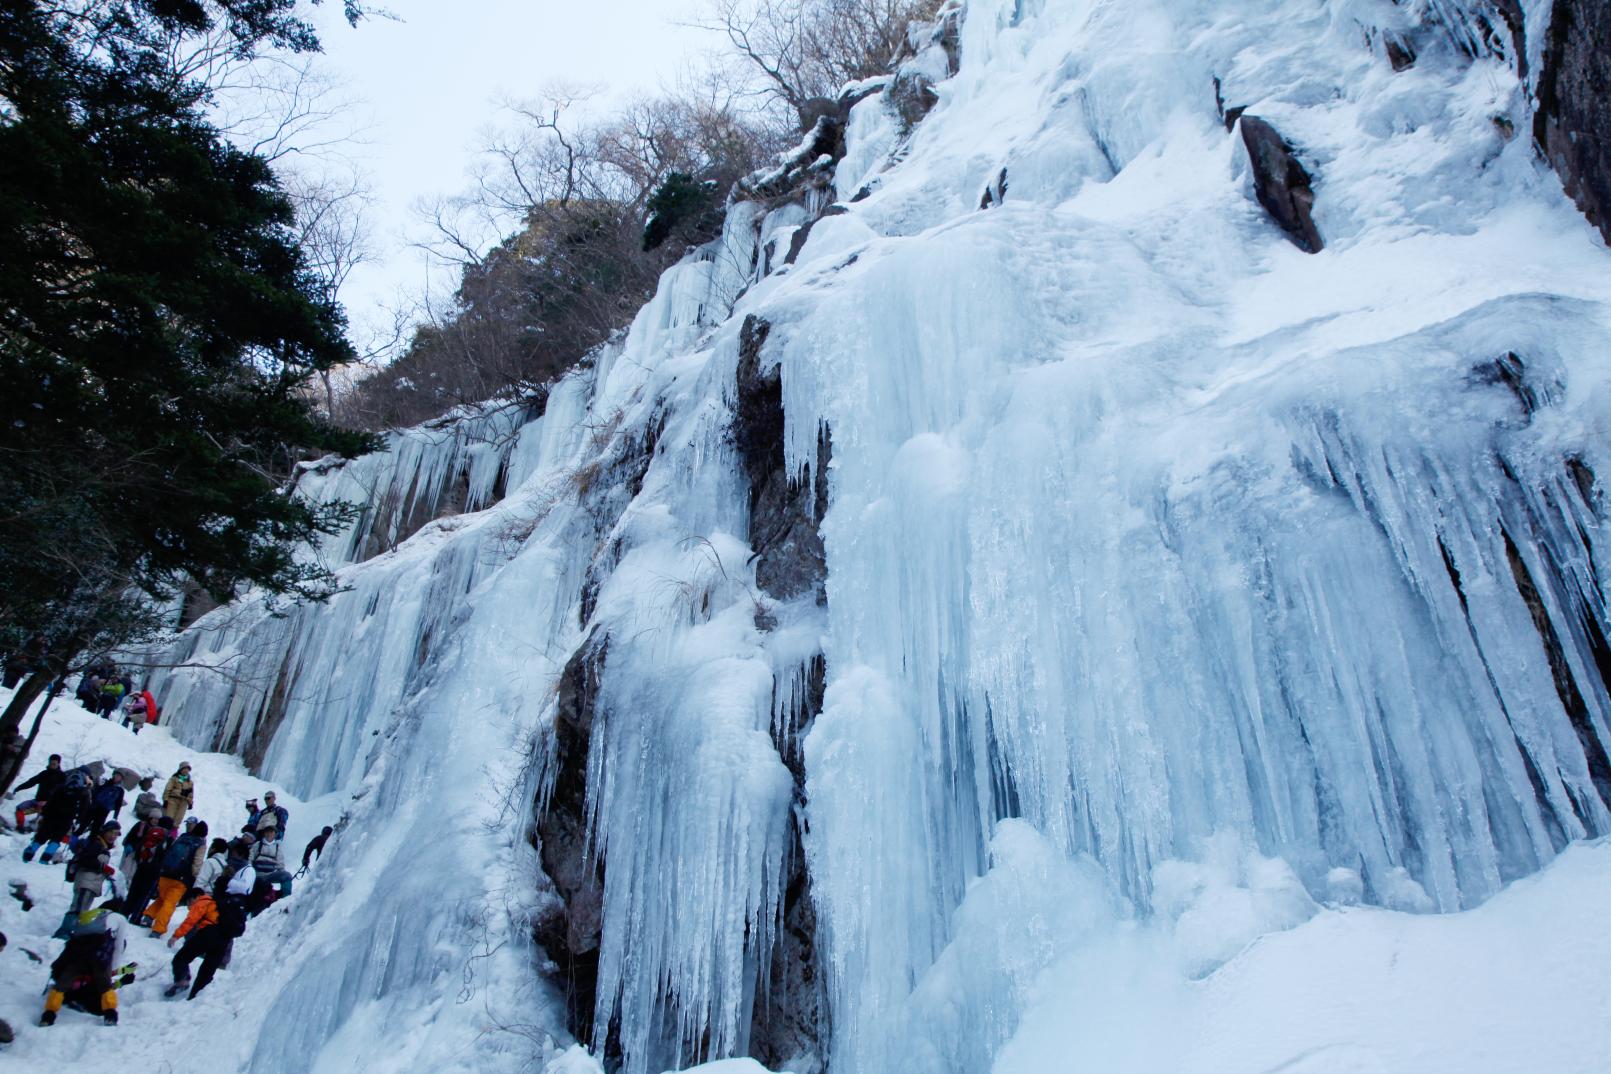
{"points": [[1141, 455]]}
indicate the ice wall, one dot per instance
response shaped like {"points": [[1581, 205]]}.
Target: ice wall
{"points": [[1166, 563]]}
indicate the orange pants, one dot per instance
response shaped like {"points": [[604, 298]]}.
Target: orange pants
{"points": [[169, 892]]}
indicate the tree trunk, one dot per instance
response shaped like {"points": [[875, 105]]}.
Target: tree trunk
{"points": [[11, 723]]}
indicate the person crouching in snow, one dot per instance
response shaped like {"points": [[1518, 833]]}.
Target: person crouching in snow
{"points": [[179, 795], [83, 975], [211, 943], [268, 860]]}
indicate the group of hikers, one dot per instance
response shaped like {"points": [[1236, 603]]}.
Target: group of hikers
{"points": [[169, 861], [104, 691]]}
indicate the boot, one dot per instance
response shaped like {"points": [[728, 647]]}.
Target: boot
{"points": [[29, 851], [48, 1018], [110, 1017], [176, 988]]}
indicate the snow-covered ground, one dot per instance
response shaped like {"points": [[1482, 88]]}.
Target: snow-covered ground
{"points": [[1520, 983], [153, 1034]]}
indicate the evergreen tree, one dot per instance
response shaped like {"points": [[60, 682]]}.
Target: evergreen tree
{"points": [[158, 327]]}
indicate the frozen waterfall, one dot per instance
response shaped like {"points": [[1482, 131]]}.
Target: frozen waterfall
{"points": [[1161, 563]]}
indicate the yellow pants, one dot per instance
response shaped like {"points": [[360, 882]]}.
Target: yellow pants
{"points": [[55, 997], [169, 892]]}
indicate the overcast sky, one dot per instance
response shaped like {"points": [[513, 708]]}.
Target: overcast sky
{"points": [[431, 80]]}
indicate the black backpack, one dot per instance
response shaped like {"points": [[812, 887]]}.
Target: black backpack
{"points": [[176, 862]]}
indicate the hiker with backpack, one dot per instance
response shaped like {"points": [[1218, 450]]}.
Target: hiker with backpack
{"points": [[86, 975], [61, 813], [179, 795], [88, 872], [154, 844], [181, 863], [203, 911], [139, 710], [212, 943]]}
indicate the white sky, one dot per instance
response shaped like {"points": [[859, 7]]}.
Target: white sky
{"points": [[431, 81]]}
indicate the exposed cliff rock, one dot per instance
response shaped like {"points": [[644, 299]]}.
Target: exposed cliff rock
{"points": [[1573, 123], [570, 931], [1281, 183], [784, 508]]}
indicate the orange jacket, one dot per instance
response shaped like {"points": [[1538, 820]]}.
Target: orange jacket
{"points": [[203, 912]]}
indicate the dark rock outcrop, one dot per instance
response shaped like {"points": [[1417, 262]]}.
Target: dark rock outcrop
{"points": [[790, 1019], [1573, 123], [810, 165], [1281, 183], [912, 97], [571, 930], [784, 508], [1400, 53], [996, 192]]}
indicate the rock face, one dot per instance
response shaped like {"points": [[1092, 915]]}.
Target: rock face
{"points": [[570, 931], [789, 1022], [1573, 123], [1281, 183], [784, 510]]}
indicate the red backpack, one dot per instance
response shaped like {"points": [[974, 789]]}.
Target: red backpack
{"points": [[154, 843]]}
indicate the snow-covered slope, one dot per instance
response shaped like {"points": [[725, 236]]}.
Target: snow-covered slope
{"points": [[154, 1033], [1170, 581]]}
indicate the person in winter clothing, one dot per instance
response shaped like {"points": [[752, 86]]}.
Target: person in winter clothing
{"points": [[107, 801], [134, 713], [149, 856], [314, 849], [90, 869], [89, 691], [211, 943], [268, 860], [60, 816], [139, 710], [84, 973], [179, 795], [112, 692], [271, 810], [44, 783], [180, 865], [203, 911]]}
